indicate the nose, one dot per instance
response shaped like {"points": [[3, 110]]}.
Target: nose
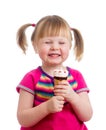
{"points": [[55, 46]]}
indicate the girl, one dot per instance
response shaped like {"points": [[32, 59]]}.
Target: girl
{"points": [[43, 105]]}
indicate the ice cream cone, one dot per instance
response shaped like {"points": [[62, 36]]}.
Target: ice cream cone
{"points": [[60, 75]]}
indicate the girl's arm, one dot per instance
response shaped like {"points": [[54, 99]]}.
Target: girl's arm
{"points": [[81, 105], [28, 115]]}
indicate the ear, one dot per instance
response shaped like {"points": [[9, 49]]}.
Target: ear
{"points": [[70, 46], [35, 47], [36, 50]]}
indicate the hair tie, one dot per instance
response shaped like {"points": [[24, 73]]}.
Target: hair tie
{"points": [[33, 25], [71, 28]]}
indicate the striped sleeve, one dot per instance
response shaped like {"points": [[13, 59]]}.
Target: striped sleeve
{"points": [[82, 86]]}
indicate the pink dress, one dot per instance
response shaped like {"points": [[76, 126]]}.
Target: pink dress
{"points": [[40, 84]]}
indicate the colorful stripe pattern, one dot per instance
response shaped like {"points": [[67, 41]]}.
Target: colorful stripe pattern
{"points": [[45, 86], [73, 83], [44, 89]]}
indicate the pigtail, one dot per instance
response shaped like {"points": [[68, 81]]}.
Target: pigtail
{"points": [[79, 44], [21, 37]]}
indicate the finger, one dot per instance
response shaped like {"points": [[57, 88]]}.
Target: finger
{"points": [[61, 103], [60, 98], [65, 82], [60, 87], [60, 90]]}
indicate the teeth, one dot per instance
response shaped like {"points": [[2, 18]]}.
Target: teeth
{"points": [[54, 54]]}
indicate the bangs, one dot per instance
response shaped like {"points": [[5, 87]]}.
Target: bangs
{"points": [[54, 30], [52, 27]]}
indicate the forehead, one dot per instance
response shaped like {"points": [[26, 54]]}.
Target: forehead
{"points": [[54, 38]]}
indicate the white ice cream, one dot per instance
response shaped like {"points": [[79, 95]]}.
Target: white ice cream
{"points": [[60, 73]]}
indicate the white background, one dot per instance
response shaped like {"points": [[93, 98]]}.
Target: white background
{"points": [[88, 16]]}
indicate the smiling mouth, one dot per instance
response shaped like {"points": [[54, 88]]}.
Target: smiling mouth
{"points": [[54, 55]]}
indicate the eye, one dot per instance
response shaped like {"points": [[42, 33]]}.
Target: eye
{"points": [[47, 42], [61, 42]]}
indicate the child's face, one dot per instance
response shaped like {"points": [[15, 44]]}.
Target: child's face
{"points": [[53, 50]]}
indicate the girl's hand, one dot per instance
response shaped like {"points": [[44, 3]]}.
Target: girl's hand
{"points": [[55, 104], [63, 89]]}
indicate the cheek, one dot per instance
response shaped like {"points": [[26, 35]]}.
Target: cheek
{"points": [[66, 52], [42, 52]]}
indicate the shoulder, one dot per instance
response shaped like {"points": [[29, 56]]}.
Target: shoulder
{"points": [[76, 73], [29, 80], [31, 76], [35, 71]]}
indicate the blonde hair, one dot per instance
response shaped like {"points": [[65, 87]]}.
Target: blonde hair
{"points": [[52, 26]]}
